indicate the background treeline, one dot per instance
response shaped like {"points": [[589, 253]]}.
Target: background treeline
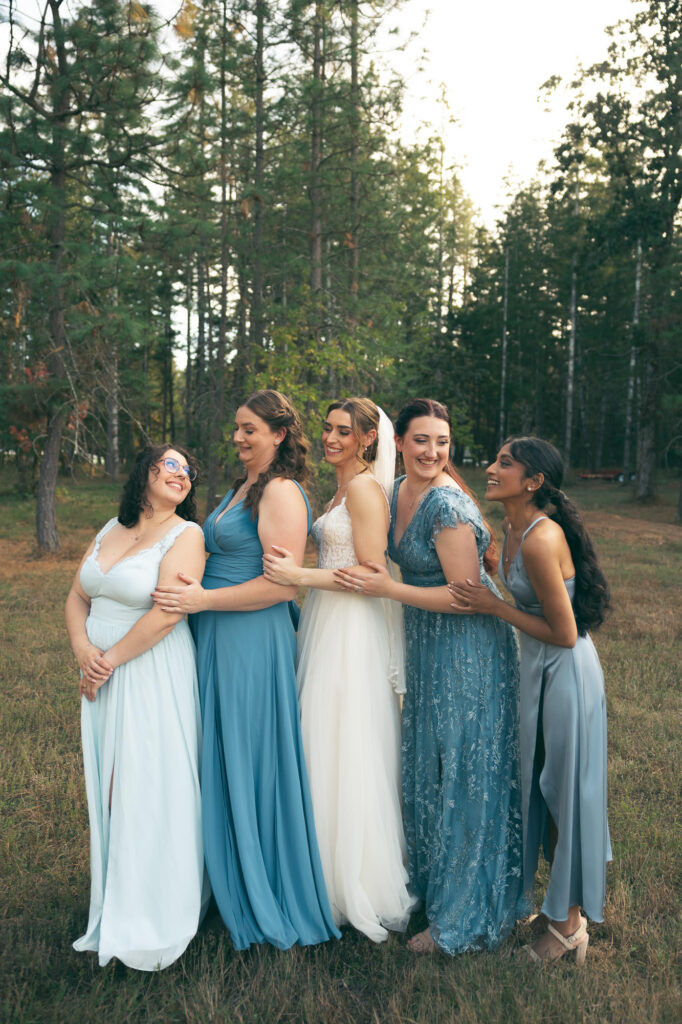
{"points": [[195, 209]]}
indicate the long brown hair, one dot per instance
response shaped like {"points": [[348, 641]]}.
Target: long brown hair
{"points": [[430, 407], [364, 416], [291, 455]]}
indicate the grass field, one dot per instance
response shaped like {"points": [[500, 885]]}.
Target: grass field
{"points": [[633, 966]]}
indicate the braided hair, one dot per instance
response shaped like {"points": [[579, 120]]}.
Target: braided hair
{"points": [[430, 407], [291, 455], [592, 595]]}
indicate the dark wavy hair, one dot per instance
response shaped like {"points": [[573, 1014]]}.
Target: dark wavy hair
{"points": [[291, 456], [430, 407], [592, 596], [364, 416], [134, 501]]}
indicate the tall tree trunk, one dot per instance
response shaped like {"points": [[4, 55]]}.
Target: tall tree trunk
{"points": [[316, 153], [570, 365], [217, 390], [111, 461], [47, 534], [570, 368], [503, 370], [354, 150], [188, 353], [633, 365], [257, 319]]}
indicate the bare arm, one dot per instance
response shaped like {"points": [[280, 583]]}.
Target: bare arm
{"points": [[282, 516], [369, 516], [154, 625], [544, 557], [458, 556], [76, 611]]}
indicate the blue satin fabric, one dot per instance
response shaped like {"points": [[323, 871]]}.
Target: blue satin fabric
{"points": [[259, 833], [563, 759]]}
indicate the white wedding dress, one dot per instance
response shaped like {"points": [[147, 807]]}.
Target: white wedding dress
{"points": [[350, 721]]}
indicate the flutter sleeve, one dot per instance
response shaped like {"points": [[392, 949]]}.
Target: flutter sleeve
{"points": [[450, 507]]}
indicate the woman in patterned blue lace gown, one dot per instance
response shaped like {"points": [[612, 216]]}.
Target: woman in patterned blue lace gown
{"points": [[460, 766], [259, 832]]}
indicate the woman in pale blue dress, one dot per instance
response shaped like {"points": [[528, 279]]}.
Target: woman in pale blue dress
{"points": [[259, 833], [460, 763], [549, 565], [140, 720]]}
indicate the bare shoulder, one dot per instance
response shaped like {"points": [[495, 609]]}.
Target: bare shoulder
{"points": [[281, 491], [364, 487], [443, 480], [192, 536], [545, 541]]}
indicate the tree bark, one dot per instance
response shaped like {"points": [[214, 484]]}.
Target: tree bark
{"points": [[633, 365], [47, 534], [354, 149], [316, 153], [257, 323], [503, 371]]}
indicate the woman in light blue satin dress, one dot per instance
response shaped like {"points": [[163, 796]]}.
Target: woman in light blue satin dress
{"points": [[549, 565], [259, 833], [140, 720]]}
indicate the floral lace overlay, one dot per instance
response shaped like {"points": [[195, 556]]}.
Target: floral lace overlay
{"points": [[460, 748], [333, 535]]}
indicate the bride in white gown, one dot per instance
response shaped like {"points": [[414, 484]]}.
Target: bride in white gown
{"points": [[350, 673]]}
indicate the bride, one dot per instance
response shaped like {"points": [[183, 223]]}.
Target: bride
{"points": [[350, 672]]}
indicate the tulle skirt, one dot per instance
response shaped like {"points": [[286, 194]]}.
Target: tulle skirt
{"points": [[350, 722]]}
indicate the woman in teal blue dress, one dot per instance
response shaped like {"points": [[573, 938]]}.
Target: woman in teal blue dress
{"points": [[550, 567], [259, 833], [460, 755]]}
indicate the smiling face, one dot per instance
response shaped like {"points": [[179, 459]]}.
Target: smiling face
{"points": [[341, 446], [165, 485], [256, 442], [507, 478], [425, 448]]}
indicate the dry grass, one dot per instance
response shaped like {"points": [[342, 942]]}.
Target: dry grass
{"points": [[632, 972]]}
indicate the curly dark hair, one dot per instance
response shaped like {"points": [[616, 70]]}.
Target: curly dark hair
{"points": [[430, 407], [291, 456], [592, 596], [133, 499]]}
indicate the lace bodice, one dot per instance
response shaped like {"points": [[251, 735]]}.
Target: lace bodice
{"points": [[333, 535]]}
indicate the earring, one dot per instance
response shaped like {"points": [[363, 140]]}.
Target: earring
{"points": [[529, 488]]}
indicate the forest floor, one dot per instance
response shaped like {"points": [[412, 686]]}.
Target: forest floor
{"points": [[633, 966]]}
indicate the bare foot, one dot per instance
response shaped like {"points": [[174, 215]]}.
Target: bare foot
{"points": [[422, 942]]}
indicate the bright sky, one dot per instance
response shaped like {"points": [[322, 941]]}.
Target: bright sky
{"points": [[492, 56]]}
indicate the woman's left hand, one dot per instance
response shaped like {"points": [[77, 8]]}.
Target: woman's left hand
{"points": [[186, 600], [281, 568], [377, 585], [473, 598]]}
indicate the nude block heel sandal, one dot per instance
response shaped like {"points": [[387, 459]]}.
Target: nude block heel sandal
{"points": [[577, 942]]}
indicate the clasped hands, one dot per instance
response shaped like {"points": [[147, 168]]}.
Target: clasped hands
{"points": [[95, 669]]}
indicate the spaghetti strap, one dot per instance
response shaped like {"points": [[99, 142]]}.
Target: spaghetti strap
{"points": [[529, 528]]}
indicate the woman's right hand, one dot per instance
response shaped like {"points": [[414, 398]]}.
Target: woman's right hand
{"points": [[281, 567], [95, 670]]}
